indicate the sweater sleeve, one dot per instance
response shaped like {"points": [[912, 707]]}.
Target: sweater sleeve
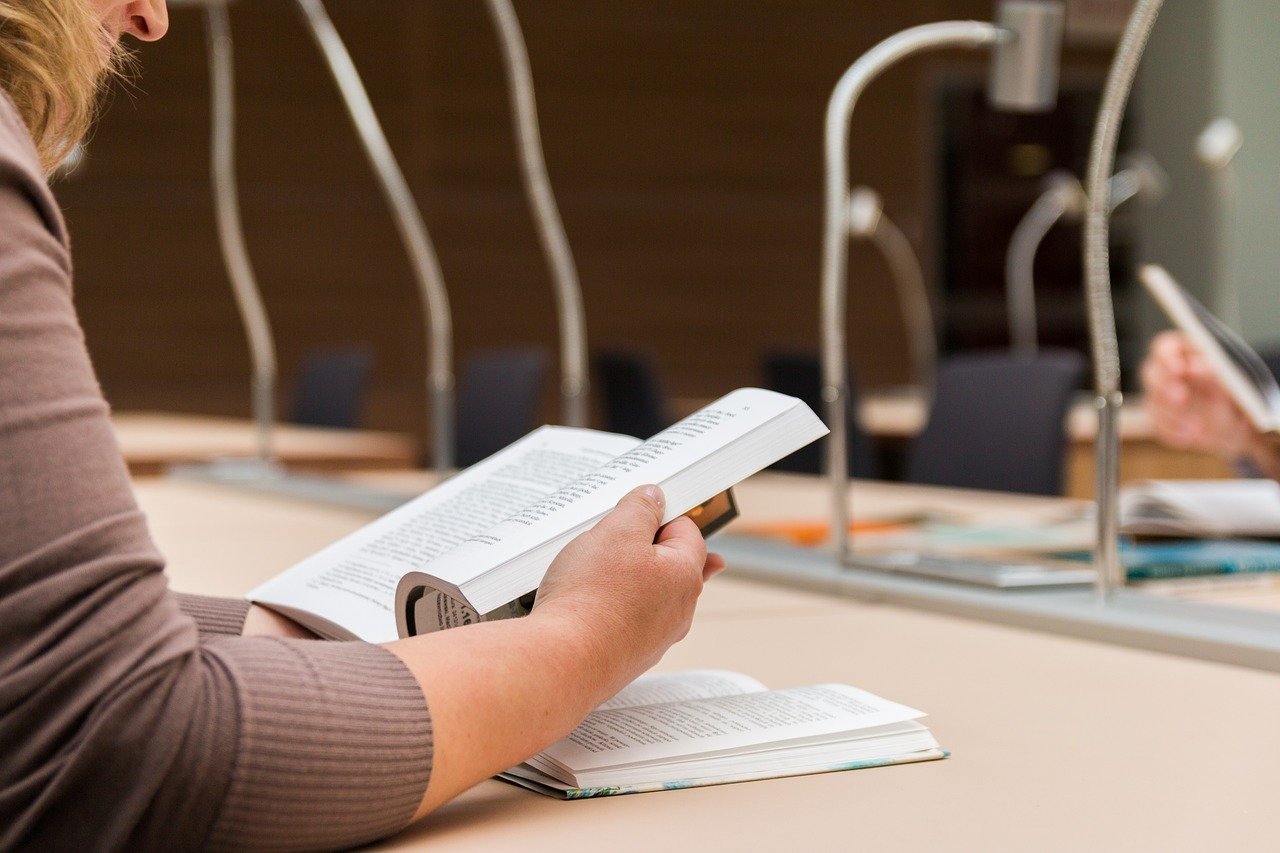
{"points": [[214, 616], [121, 726]]}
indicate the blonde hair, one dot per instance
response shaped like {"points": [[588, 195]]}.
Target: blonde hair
{"points": [[53, 62]]}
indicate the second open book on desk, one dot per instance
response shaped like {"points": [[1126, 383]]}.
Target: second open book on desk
{"points": [[473, 547], [711, 727]]}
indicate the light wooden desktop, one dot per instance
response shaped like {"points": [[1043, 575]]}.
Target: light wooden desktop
{"points": [[153, 441], [1058, 743]]}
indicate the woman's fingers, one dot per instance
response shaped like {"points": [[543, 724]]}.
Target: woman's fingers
{"points": [[714, 565]]}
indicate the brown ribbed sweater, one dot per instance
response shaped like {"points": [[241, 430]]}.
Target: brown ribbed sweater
{"points": [[128, 717]]}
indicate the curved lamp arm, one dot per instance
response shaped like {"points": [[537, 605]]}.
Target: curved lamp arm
{"points": [[555, 245], [1140, 177], [1063, 200], [1097, 260], [413, 232], [230, 227], [835, 250], [868, 221]]}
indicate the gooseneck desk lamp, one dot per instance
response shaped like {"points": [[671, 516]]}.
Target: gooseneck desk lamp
{"points": [[1026, 41], [235, 256], [426, 268], [1062, 200], [1097, 266], [231, 235], [413, 232], [533, 168], [868, 221]]}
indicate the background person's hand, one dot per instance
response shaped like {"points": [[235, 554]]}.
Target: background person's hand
{"points": [[1189, 408], [627, 590]]}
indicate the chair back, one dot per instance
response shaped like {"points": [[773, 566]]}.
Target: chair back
{"points": [[331, 387], [499, 397], [631, 393], [999, 421], [799, 374]]}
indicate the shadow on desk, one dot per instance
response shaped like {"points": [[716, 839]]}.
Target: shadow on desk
{"points": [[488, 804]]}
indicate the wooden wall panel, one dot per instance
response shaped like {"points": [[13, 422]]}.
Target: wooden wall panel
{"points": [[683, 140]]}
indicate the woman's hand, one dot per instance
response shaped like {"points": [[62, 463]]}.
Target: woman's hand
{"points": [[611, 604], [1191, 410], [628, 586]]}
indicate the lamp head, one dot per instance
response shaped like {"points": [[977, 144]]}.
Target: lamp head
{"points": [[865, 210], [1219, 143], [1067, 190], [1024, 74]]}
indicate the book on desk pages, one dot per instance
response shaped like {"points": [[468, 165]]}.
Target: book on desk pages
{"points": [[1243, 507], [476, 547], [711, 727], [1242, 372], [1192, 508]]}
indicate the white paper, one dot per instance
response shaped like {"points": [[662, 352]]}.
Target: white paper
{"points": [[352, 583]]}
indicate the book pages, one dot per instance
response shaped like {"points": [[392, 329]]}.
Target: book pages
{"points": [[701, 727], [714, 727], [1202, 508], [348, 589]]}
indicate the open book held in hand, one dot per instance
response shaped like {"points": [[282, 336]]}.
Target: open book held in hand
{"points": [[1196, 508], [1242, 372], [476, 546], [710, 727]]}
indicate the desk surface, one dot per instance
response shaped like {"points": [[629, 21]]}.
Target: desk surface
{"points": [[152, 441], [1058, 744]]}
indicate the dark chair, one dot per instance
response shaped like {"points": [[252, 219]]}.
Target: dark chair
{"points": [[999, 421], [799, 374], [629, 389], [499, 396], [331, 387]]}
